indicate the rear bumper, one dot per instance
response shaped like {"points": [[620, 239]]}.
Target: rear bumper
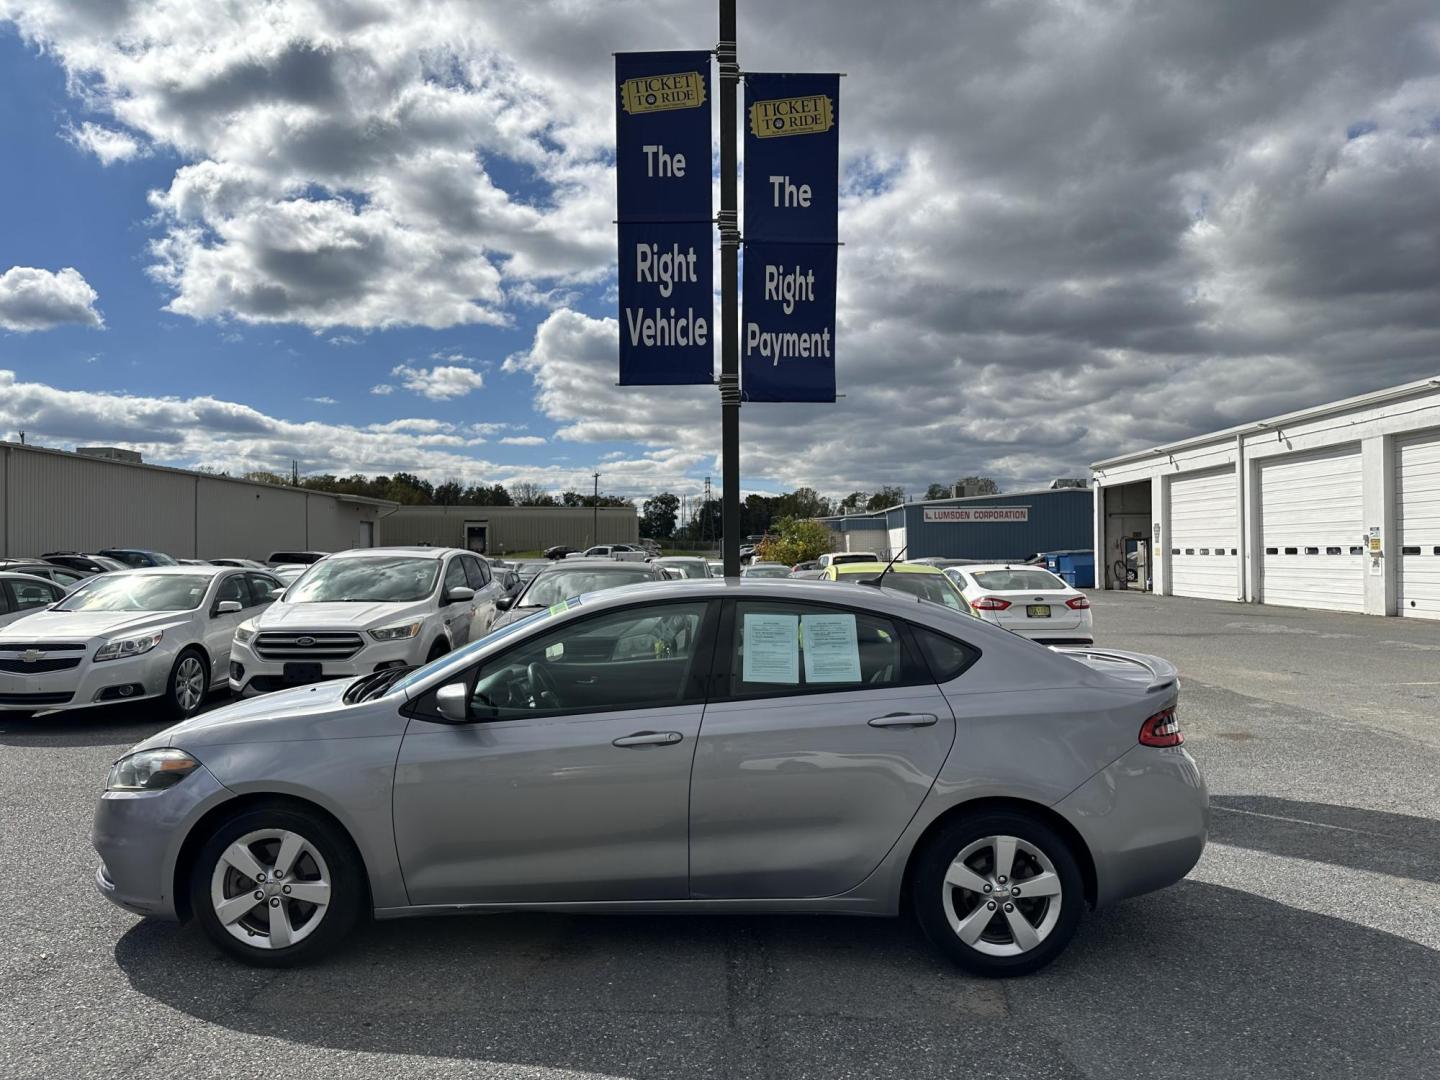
{"points": [[1144, 818]]}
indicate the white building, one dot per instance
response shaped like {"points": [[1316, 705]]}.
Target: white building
{"points": [[1332, 507]]}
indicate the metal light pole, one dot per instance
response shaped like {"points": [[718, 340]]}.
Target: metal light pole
{"points": [[595, 513], [729, 223]]}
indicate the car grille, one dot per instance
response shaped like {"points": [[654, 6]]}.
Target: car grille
{"points": [[43, 646], [315, 645], [38, 667], [34, 699]]}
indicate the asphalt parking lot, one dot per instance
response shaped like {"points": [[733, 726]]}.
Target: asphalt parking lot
{"points": [[1305, 944]]}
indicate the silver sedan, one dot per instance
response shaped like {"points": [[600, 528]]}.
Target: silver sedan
{"points": [[741, 745]]}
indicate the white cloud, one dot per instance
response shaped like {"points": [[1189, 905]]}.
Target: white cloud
{"points": [[322, 400], [523, 440], [34, 299], [107, 144], [224, 435], [441, 382], [382, 389]]}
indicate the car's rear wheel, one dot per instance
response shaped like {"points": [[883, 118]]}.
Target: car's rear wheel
{"points": [[276, 887], [188, 684], [1000, 893]]}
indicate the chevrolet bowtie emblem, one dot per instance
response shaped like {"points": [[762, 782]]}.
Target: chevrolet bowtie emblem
{"points": [[29, 656]]}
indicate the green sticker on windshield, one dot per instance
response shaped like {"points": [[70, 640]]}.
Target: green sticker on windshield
{"points": [[564, 605]]}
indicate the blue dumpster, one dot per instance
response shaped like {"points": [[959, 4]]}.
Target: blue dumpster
{"points": [[1076, 566]]}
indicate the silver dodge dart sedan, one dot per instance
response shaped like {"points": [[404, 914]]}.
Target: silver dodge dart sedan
{"points": [[730, 745]]}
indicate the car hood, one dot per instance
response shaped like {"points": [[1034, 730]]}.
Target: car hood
{"points": [[514, 614], [361, 615], [83, 625], [303, 714]]}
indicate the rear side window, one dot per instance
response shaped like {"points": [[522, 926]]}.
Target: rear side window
{"points": [[948, 658], [781, 649]]}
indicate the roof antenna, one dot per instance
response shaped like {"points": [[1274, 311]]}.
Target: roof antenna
{"points": [[879, 580]]}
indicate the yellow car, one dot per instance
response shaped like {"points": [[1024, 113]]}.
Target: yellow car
{"points": [[926, 582]]}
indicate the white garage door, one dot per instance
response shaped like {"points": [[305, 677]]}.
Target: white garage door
{"points": [[1417, 527], [1311, 527], [1204, 536]]}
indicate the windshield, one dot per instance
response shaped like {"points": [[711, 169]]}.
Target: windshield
{"points": [[936, 588], [558, 585], [854, 556], [1018, 580], [138, 592], [696, 569], [393, 580], [768, 571]]}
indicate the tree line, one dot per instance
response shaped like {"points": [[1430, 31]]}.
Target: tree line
{"points": [[411, 490]]}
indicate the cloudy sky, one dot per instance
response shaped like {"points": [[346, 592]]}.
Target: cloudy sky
{"points": [[375, 236]]}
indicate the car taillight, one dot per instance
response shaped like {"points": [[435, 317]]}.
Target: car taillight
{"points": [[1078, 603], [1162, 729], [990, 603]]}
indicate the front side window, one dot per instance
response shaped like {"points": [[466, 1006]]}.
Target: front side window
{"points": [[381, 579], [478, 572], [637, 658], [455, 577], [233, 588], [1027, 580], [261, 586], [28, 595], [781, 648], [139, 592]]}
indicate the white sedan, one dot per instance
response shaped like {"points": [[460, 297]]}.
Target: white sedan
{"points": [[160, 632], [1029, 600]]}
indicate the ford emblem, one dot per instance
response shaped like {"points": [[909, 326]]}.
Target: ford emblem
{"points": [[305, 642]]}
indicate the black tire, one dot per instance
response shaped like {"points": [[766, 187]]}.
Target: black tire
{"points": [[347, 897], [175, 706], [940, 907]]}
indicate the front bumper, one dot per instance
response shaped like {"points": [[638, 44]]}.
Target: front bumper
{"points": [[89, 684], [1144, 818], [249, 674], [138, 836]]}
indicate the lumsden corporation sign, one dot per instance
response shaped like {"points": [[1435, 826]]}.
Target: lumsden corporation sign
{"points": [[977, 513]]}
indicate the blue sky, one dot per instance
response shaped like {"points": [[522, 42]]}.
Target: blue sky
{"points": [[1109, 234]]}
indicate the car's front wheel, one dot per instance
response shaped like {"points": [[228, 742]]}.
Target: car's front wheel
{"points": [[276, 886], [1001, 893], [189, 682]]}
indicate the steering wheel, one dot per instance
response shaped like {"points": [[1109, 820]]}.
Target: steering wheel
{"points": [[541, 684]]}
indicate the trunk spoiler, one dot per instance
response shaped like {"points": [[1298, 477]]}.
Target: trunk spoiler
{"points": [[1162, 673]]}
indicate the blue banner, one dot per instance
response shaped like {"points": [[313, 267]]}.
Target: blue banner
{"points": [[662, 136], [792, 158], [787, 343], [667, 316]]}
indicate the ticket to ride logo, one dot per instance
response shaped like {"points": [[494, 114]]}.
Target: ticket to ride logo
{"points": [[660, 93], [813, 114]]}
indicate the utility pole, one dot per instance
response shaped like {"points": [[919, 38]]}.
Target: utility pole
{"points": [[729, 223], [595, 513]]}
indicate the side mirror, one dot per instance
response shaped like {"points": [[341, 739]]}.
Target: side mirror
{"points": [[459, 594], [275, 594], [228, 607], [504, 603], [452, 701]]}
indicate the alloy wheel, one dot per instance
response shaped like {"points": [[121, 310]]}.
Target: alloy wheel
{"points": [[270, 889], [189, 683], [1002, 896]]}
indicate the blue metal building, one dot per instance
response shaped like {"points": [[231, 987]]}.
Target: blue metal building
{"points": [[1016, 525]]}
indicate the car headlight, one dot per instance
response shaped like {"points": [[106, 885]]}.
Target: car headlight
{"points": [[244, 632], [129, 646], [150, 770], [396, 633]]}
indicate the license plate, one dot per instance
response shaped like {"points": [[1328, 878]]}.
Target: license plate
{"points": [[304, 672], [1037, 611]]}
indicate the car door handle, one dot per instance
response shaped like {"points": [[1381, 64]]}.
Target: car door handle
{"points": [[649, 738], [590, 681], [903, 720]]}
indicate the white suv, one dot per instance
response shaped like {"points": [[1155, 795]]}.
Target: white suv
{"points": [[363, 610], [839, 558]]}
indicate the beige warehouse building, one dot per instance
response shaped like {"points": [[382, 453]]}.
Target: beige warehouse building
{"points": [[498, 530], [54, 500]]}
